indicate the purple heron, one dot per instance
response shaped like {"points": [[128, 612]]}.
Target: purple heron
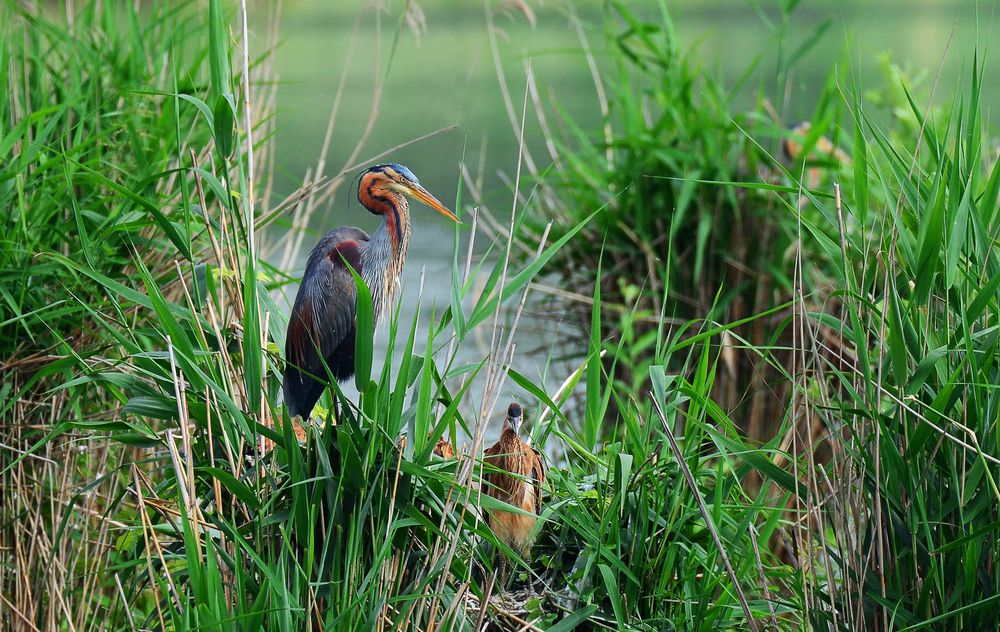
{"points": [[321, 327]]}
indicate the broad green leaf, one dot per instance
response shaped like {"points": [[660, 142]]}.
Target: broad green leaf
{"points": [[218, 49]]}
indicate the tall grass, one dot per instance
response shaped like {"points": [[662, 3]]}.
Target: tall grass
{"points": [[907, 390], [101, 202], [674, 246], [884, 366], [151, 478]]}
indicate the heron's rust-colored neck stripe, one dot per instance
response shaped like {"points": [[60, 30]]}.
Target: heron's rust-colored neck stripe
{"points": [[386, 247], [391, 207]]}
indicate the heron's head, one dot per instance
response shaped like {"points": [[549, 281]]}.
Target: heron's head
{"points": [[396, 180], [514, 417]]}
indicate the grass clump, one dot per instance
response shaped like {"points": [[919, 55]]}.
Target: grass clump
{"points": [[674, 245], [911, 396], [91, 165], [871, 306]]}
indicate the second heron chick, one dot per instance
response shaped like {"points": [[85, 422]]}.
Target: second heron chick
{"points": [[516, 477]]}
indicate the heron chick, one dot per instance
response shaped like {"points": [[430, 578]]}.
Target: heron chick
{"points": [[516, 477]]}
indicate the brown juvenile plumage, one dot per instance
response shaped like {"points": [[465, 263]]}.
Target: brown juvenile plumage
{"points": [[518, 482], [444, 449]]}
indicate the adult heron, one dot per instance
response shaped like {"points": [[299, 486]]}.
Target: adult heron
{"points": [[321, 327]]}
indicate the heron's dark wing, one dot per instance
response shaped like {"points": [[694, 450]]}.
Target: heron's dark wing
{"points": [[321, 325], [538, 477]]}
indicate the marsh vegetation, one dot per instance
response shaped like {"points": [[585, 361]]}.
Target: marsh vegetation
{"points": [[781, 412]]}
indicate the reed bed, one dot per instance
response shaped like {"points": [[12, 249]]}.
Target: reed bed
{"points": [[785, 417]]}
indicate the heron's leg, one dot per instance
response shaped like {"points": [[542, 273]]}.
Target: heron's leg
{"points": [[503, 572]]}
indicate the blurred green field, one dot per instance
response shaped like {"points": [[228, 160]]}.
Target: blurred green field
{"points": [[445, 75]]}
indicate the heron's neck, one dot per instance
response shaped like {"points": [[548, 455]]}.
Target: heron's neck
{"points": [[383, 259]]}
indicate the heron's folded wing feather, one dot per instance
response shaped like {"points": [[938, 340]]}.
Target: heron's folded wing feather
{"points": [[538, 476], [326, 303], [491, 456]]}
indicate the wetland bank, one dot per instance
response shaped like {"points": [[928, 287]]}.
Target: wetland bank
{"points": [[772, 404]]}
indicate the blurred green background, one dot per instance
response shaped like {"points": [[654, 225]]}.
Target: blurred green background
{"points": [[444, 73], [439, 71]]}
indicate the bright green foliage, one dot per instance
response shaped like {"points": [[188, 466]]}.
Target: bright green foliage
{"points": [[674, 245], [152, 480], [874, 320], [916, 408]]}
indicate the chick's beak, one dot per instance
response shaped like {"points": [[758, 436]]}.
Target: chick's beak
{"points": [[425, 196], [515, 423]]}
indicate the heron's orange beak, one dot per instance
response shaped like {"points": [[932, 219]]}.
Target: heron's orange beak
{"points": [[424, 196]]}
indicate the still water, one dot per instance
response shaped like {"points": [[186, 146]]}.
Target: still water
{"points": [[442, 73]]}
